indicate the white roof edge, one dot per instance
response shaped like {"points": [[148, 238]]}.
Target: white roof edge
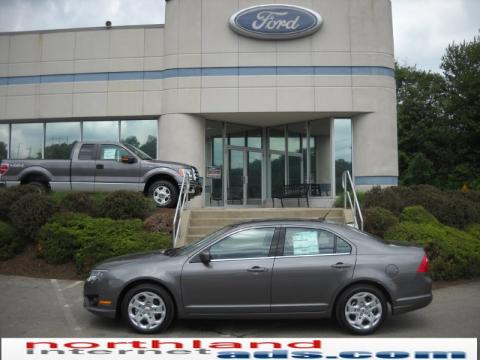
{"points": [[146, 26]]}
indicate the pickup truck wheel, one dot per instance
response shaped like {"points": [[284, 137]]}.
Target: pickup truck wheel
{"points": [[40, 186], [164, 193]]}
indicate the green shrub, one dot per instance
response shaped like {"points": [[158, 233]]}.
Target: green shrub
{"points": [[451, 208], [30, 213], [11, 195], [453, 254], [378, 220], [123, 204], [339, 201], [10, 242], [417, 214], [79, 202], [474, 230], [87, 240]]}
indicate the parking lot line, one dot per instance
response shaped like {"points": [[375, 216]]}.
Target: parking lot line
{"points": [[72, 323]]}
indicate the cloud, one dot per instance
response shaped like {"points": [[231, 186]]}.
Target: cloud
{"points": [[22, 15], [424, 28]]}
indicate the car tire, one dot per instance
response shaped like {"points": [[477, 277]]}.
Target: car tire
{"points": [[40, 186], [361, 309], [147, 308], [164, 194]]}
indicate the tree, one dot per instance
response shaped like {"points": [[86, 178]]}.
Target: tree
{"points": [[3, 150], [150, 146], [423, 131], [132, 140], [461, 66]]}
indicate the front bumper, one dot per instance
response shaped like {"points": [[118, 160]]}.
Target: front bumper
{"points": [[196, 188], [92, 293]]}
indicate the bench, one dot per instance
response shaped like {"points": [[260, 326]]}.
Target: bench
{"points": [[294, 191]]}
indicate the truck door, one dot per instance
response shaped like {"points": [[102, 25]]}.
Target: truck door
{"points": [[83, 168], [116, 169]]}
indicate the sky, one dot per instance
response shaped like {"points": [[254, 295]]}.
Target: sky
{"points": [[422, 28]]}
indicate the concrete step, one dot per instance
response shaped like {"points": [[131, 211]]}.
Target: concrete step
{"points": [[219, 222], [264, 213]]}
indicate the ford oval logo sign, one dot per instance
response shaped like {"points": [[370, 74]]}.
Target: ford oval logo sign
{"points": [[275, 22]]}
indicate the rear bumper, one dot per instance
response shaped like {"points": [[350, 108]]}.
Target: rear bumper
{"points": [[411, 303]]}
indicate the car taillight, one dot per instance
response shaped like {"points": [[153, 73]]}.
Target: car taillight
{"points": [[423, 267], [3, 169]]}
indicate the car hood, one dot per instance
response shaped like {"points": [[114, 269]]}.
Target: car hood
{"points": [[132, 258]]}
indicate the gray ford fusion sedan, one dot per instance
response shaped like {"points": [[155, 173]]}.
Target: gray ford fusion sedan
{"points": [[265, 269]]}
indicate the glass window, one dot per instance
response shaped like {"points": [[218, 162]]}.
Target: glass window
{"points": [[87, 152], [59, 139], [277, 173], [113, 152], [4, 141], [342, 247], [250, 243], [244, 135], [304, 241], [295, 168], [27, 141], [141, 134], [277, 138], [343, 150], [214, 162], [100, 131], [320, 158]]}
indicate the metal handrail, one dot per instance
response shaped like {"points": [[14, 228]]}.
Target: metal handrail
{"points": [[182, 199], [355, 205]]}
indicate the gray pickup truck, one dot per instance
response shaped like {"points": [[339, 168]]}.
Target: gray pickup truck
{"points": [[103, 167]]}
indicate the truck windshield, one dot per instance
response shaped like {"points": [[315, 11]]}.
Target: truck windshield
{"points": [[138, 152]]}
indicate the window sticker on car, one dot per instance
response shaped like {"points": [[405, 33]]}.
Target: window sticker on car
{"points": [[110, 154], [305, 243]]}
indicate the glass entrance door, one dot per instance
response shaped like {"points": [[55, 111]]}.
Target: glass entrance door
{"points": [[244, 177]]}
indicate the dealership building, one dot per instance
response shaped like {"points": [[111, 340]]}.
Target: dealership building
{"points": [[255, 94]]}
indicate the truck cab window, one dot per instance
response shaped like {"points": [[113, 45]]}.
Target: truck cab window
{"points": [[86, 152], [113, 152]]}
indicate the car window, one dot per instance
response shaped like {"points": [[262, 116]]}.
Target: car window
{"points": [[86, 152], [112, 152], [250, 243], [305, 241], [342, 247]]}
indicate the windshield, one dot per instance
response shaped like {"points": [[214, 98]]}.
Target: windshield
{"points": [[137, 152], [199, 243]]}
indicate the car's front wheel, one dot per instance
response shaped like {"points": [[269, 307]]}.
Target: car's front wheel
{"points": [[361, 309], [148, 308]]}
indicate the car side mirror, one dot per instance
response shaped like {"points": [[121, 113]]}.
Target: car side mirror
{"points": [[205, 257], [128, 160]]}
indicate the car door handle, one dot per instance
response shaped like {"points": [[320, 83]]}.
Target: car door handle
{"points": [[341, 265], [99, 166], [257, 269]]}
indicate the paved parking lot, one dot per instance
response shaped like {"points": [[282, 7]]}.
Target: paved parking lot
{"points": [[53, 308]]}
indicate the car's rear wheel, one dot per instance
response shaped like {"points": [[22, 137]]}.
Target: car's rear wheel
{"points": [[164, 194], [361, 309], [148, 308]]}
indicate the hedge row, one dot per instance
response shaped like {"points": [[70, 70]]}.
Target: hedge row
{"points": [[452, 208], [23, 211], [86, 240], [453, 253]]}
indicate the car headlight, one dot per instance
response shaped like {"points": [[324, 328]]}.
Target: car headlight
{"points": [[95, 275], [186, 172]]}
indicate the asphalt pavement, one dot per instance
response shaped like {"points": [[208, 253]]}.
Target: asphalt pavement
{"points": [[54, 308]]}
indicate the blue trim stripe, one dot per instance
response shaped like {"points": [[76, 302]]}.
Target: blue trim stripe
{"points": [[376, 180], [189, 72]]}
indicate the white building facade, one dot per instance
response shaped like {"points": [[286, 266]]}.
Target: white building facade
{"points": [[253, 114]]}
